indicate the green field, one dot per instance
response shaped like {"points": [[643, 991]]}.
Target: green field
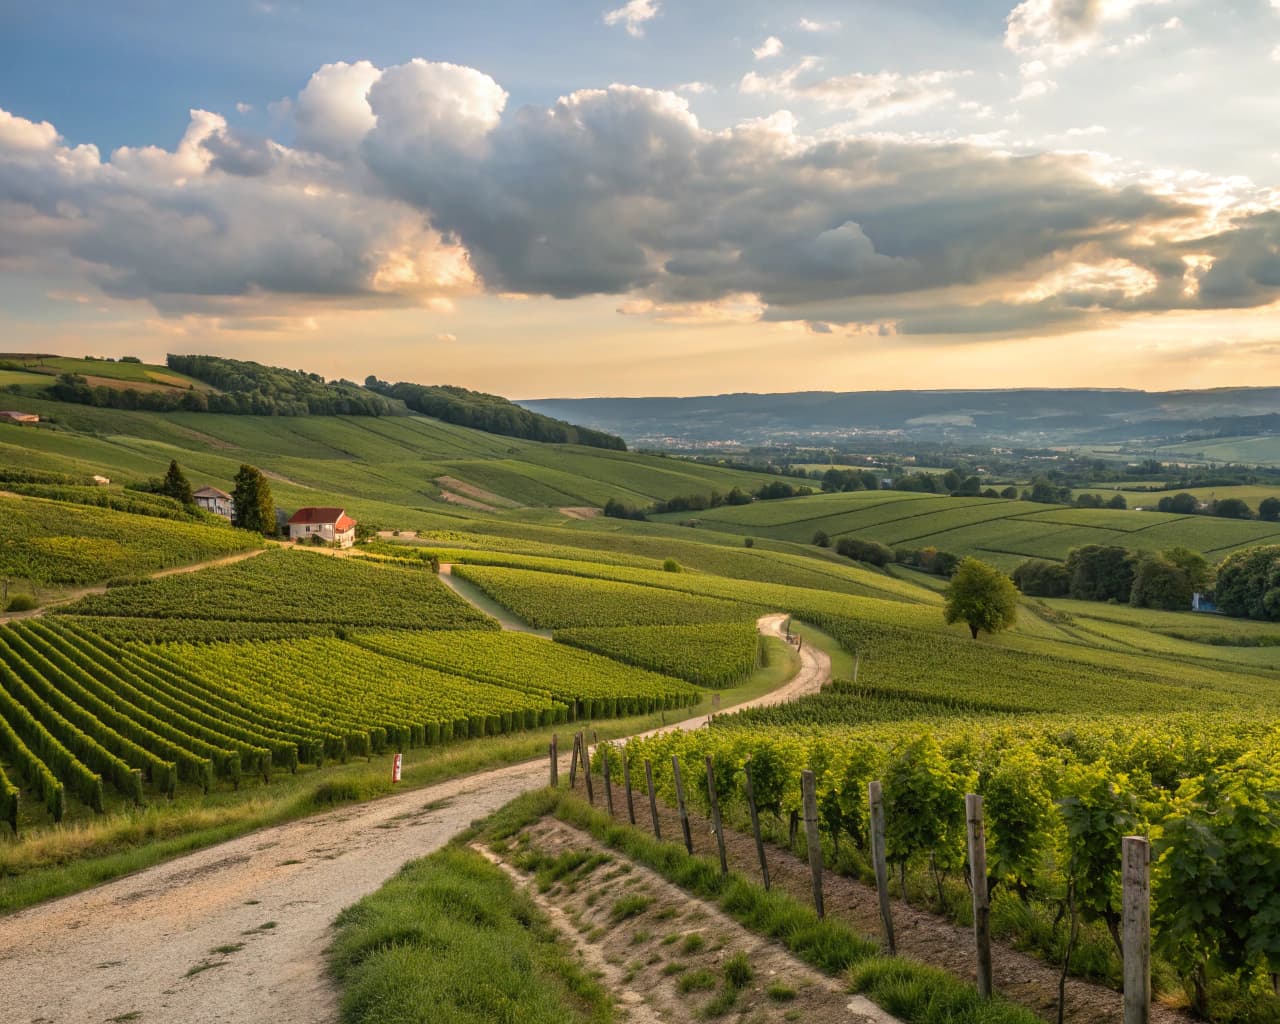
{"points": [[999, 531], [381, 469]]}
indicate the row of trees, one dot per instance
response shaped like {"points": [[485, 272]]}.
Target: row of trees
{"points": [[1103, 572], [701, 502], [1186, 504], [491, 413]]}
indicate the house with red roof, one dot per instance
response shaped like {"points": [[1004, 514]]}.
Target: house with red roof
{"points": [[322, 525]]}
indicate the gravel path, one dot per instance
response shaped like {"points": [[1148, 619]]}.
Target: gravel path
{"points": [[159, 943]]}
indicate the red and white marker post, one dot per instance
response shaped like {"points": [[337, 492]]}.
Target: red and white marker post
{"points": [[395, 768]]}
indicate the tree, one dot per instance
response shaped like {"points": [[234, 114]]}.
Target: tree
{"points": [[1118, 502], [1269, 509], [982, 596], [1249, 583], [1100, 573], [1038, 578], [1158, 583], [1232, 508], [821, 539], [176, 485], [1010, 492], [254, 507], [1195, 565], [1183, 504]]}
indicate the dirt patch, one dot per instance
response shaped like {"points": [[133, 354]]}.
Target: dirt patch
{"points": [[580, 511], [458, 499], [279, 478], [461, 487], [665, 956]]}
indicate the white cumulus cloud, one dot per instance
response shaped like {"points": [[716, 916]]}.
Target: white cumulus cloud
{"points": [[633, 15], [771, 47]]}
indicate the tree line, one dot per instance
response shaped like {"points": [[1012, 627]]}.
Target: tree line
{"points": [[491, 413]]}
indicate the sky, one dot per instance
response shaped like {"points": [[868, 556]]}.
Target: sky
{"points": [[650, 197]]}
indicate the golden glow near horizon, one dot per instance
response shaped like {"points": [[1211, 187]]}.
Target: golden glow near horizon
{"points": [[658, 206]]}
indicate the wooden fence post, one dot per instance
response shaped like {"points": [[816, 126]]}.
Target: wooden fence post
{"points": [[978, 876], [586, 770], [608, 782], [684, 812], [811, 838], [626, 782], [875, 800], [1137, 930], [555, 761], [573, 763], [715, 816], [755, 826], [653, 800]]}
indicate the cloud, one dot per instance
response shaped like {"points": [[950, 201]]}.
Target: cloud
{"points": [[415, 184], [695, 88], [809, 25], [633, 15], [874, 96], [447, 339], [244, 108], [771, 47], [1057, 32], [1275, 54]]}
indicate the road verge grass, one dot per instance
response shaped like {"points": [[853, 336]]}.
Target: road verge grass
{"points": [[451, 938]]}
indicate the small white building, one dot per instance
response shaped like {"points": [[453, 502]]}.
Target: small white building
{"points": [[220, 503], [330, 525]]}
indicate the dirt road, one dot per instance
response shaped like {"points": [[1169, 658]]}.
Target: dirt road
{"points": [[166, 943]]}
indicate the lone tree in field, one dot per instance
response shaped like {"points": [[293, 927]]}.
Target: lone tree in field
{"points": [[176, 485], [982, 596], [254, 508]]}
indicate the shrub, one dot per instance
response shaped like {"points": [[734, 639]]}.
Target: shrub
{"points": [[821, 539], [748, 542], [21, 603], [869, 551], [671, 565]]}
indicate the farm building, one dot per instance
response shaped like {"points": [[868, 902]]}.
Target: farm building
{"points": [[220, 503], [331, 525], [9, 416]]}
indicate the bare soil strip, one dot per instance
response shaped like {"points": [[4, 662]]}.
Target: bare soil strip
{"points": [[644, 956], [580, 511], [457, 499], [477, 493]]}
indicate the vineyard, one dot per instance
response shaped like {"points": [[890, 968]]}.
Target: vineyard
{"points": [[54, 542], [554, 601], [1060, 793], [101, 721], [293, 587], [999, 531], [711, 655]]}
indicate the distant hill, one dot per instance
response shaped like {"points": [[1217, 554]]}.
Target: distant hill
{"points": [[215, 384], [493, 414], [1026, 416]]}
